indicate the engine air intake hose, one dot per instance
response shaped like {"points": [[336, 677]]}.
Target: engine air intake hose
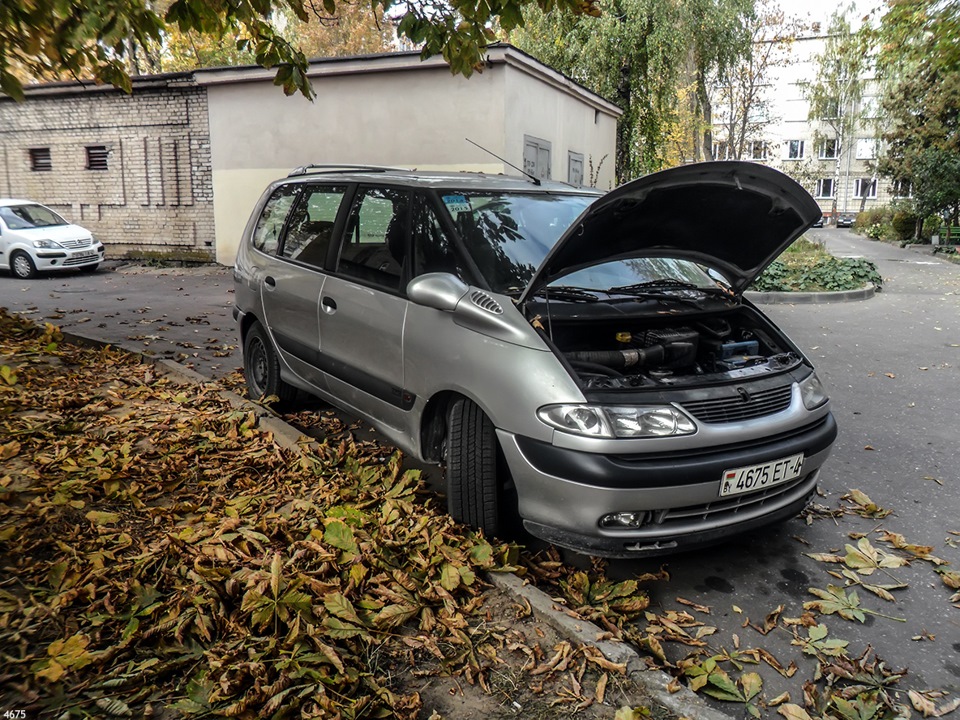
{"points": [[633, 357]]}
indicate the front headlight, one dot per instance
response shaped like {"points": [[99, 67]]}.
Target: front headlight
{"points": [[812, 392], [46, 244], [618, 421]]}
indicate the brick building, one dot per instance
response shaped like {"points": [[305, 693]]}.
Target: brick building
{"points": [[135, 169], [175, 168]]}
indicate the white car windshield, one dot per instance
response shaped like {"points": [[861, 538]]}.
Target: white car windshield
{"points": [[24, 217]]}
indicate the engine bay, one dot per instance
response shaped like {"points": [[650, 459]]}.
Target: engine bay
{"points": [[623, 354]]}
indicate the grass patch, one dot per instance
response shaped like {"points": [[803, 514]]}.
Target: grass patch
{"points": [[806, 266]]}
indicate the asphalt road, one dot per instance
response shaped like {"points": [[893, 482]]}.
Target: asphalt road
{"points": [[891, 366]]}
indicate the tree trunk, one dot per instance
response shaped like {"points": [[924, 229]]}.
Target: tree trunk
{"points": [[706, 116]]}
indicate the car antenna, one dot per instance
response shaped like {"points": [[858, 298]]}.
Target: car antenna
{"points": [[534, 178]]}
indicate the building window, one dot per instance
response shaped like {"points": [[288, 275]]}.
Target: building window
{"points": [[865, 188], [758, 150], [795, 149], [40, 160], [831, 109], [721, 150], [97, 157], [902, 189], [575, 169], [536, 157], [866, 149], [829, 149], [825, 188]]}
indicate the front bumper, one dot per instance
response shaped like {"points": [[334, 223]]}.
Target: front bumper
{"points": [[563, 494], [48, 260]]}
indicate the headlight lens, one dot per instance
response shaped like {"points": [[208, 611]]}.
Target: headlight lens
{"points": [[45, 244], [618, 421], [586, 420], [812, 392]]}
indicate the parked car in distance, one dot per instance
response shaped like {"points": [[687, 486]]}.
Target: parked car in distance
{"points": [[846, 220], [818, 223], [584, 363], [35, 239]]}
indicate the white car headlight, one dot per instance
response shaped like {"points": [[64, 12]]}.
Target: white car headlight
{"points": [[630, 421], [812, 392], [46, 244]]}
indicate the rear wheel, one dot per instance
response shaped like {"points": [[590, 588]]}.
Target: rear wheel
{"points": [[477, 492], [261, 367], [21, 265]]}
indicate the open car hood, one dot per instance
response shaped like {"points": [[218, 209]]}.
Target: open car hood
{"points": [[735, 217]]}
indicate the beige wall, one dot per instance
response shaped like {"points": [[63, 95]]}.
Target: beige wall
{"points": [[538, 109], [416, 119]]}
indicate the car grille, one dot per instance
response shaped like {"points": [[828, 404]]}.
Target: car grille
{"points": [[81, 243], [729, 506], [81, 260], [741, 407]]}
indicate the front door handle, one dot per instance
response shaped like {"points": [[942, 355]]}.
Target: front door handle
{"points": [[329, 305]]}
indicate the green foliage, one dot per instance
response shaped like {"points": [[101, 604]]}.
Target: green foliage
{"points": [[634, 55], [806, 267], [60, 39], [919, 64], [904, 225]]}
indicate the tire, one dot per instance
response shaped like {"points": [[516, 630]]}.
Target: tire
{"points": [[476, 475], [261, 367], [21, 266]]}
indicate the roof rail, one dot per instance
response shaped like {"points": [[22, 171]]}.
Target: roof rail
{"points": [[343, 167]]}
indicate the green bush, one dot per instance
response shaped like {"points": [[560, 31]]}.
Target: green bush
{"points": [[818, 273], [904, 225], [931, 225], [874, 216]]}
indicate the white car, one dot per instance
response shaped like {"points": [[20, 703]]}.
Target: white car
{"points": [[34, 239]]}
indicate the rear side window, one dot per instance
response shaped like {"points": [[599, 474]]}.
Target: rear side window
{"points": [[311, 225], [266, 236]]}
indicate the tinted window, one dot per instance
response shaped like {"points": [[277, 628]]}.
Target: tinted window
{"points": [[375, 243], [311, 225], [432, 249], [266, 236], [509, 234]]}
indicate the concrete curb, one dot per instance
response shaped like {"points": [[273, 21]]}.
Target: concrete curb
{"points": [[810, 298], [684, 703]]}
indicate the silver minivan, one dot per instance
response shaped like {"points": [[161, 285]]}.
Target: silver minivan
{"points": [[583, 363]]}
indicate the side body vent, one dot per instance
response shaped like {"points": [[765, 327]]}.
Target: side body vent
{"points": [[485, 302]]}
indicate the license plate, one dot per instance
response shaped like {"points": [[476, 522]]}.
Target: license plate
{"points": [[85, 254], [756, 477]]}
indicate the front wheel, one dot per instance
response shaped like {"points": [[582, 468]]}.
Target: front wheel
{"points": [[476, 476], [261, 367], [21, 265]]}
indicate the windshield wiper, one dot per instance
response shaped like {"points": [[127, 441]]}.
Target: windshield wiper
{"points": [[569, 293], [666, 284]]}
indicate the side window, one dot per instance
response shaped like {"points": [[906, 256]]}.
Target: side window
{"points": [[266, 236], [375, 243], [432, 251], [311, 225]]}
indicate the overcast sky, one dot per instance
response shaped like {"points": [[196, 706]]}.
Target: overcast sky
{"points": [[821, 10]]}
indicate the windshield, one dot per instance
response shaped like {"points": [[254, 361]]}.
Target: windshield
{"points": [[509, 234], [644, 271], [23, 217]]}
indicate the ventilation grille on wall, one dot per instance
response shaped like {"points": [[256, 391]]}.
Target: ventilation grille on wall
{"points": [[97, 157], [40, 160]]}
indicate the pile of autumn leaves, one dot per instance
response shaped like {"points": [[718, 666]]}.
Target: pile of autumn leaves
{"points": [[159, 549]]}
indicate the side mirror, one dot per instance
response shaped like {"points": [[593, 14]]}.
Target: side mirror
{"points": [[440, 290]]}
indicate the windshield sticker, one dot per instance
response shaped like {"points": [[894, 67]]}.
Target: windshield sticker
{"points": [[457, 204]]}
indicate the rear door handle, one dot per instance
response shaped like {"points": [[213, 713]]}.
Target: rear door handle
{"points": [[329, 305]]}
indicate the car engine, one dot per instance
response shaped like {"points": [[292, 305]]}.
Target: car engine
{"points": [[716, 349]]}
